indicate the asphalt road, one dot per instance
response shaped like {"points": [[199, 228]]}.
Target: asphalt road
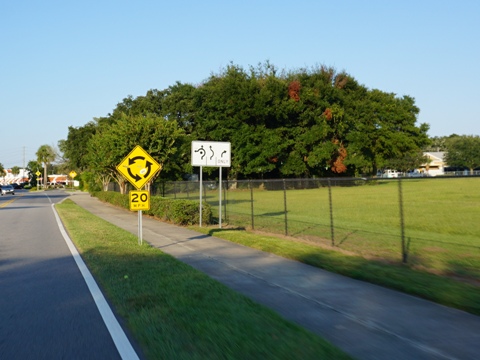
{"points": [[46, 308]]}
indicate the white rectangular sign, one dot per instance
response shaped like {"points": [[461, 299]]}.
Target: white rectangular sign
{"points": [[211, 153]]}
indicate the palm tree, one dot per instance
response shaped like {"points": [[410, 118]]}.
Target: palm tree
{"points": [[45, 155]]}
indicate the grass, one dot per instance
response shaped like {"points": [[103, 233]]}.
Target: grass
{"points": [[440, 218], [176, 312]]}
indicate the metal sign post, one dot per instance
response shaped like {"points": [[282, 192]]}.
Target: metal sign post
{"points": [[220, 197], [214, 154], [38, 173], [201, 195], [72, 175], [140, 228], [138, 168], [139, 200]]}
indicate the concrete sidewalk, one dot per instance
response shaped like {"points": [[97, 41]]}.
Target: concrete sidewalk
{"points": [[365, 320]]}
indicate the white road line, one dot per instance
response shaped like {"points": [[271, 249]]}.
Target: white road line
{"points": [[121, 341]]}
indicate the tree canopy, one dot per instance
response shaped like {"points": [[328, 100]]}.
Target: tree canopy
{"points": [[463, 151], [302, 123], [161, 139]]}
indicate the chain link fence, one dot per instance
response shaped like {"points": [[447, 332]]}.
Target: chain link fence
{"points": [[429, 223]]}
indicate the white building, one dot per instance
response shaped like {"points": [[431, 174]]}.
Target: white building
{"points": [[9, 178], [435, 165]]}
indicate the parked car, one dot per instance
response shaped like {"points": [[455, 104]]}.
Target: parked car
{"points": [[7, 189], [416, 173], [387, 173]]}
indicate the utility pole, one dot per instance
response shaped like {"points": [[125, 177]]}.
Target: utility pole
{"points": [[23, 170]]}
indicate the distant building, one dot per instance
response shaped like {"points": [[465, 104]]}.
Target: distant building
{"points": [[57, 179], [9, 178], [435, 165]]}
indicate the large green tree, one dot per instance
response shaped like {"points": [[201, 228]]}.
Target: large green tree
{"points": [[160, 138], [74, 148], [384, 133], [306, 122], [463, 151]]}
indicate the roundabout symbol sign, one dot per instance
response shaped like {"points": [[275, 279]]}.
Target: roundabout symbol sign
{"points": [[138, 167]]}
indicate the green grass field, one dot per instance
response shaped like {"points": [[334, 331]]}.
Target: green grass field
{"points": [[441, 220], [176, 312]]}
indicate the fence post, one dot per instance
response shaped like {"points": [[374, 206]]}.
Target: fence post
{"points": [[330, 202], [285, 206], [225, 192], [402, 223], [251, 202]]}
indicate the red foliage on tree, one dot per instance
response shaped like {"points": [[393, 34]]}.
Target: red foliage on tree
{"points": [[294, 90], [340, 81], [338, 165], [328, 113]]}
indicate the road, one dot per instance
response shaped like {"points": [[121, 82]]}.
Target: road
{"points": [[46, 308]]}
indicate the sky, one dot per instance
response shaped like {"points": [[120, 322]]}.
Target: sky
{"points": [[64, 63]]}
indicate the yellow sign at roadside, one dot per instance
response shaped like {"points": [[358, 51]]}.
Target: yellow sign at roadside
{"points": [[72, 174], [139, 200], [38, 173], [138, 167]]}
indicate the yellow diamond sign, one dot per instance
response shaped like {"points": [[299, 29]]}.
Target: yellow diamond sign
{"points": [[72, 174], [38, 173], [138, 167]]}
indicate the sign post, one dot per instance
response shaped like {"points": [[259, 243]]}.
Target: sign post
{"points": [[138, 168], [214, 154], [72, 175], [38, 173], [139, 200]]}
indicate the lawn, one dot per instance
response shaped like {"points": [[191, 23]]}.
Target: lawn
{"points": [[441, 220], [176, 312]]}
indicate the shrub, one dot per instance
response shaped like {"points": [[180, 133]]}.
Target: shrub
{"points": [[180, 212]]}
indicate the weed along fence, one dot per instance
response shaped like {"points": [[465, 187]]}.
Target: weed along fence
{"points": [[430, 223]]}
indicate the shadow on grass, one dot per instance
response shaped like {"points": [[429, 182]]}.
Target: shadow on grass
{"points": [[465, 270], [212, 232], [345, 237], [278, 213]]}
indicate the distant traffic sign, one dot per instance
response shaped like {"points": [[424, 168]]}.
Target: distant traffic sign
{"points": [[139, 200], [211, 153], [138, 167], [72, 174], [38, 173]]}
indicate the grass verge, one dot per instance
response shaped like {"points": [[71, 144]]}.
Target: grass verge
{"points": [[443, 290], [177, 312]]}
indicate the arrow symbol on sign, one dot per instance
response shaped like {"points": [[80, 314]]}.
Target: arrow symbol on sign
{"points": [[201, 151], [136, 177], [132, 161], [148, 165]]}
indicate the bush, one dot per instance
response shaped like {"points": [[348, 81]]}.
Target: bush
{"points": [[179, 212]]}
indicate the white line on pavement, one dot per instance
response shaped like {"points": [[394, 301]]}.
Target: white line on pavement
{"points": [[121, 341]]}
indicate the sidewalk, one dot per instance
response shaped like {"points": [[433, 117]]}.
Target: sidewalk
{"points": [[365, 320]]}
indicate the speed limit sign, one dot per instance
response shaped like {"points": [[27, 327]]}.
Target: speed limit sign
{"points": [[139, 200]]}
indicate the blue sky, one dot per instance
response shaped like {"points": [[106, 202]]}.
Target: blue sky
{"points": [[63, 63]]}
